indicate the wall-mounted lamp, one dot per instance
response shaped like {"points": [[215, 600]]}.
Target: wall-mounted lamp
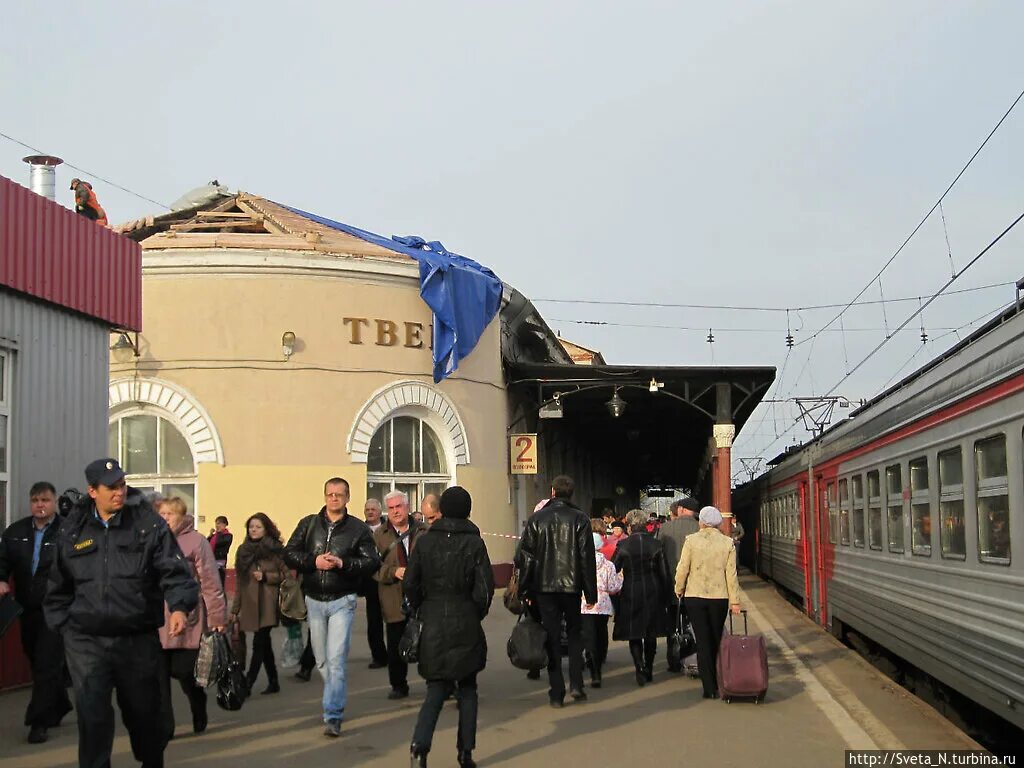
{"points": [[552, 410], [655, 385], [287, 344], [616, 406], [124, 349]]}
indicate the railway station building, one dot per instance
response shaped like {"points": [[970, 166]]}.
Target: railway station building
{"points": [[280, 348]]}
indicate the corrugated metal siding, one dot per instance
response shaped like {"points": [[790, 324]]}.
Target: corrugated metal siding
{"points": [[59, 394], [54, 254]]}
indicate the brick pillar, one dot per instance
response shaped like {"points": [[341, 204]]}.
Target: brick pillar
{"points": [[723, 437]]}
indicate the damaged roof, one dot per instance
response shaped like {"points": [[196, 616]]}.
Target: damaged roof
{"points": [[247, 221]]}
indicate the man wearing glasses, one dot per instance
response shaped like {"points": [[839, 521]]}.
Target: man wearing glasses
{"points": [[334, 552]]}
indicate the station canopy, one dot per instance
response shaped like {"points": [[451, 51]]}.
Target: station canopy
{"points": [[662, 437]]}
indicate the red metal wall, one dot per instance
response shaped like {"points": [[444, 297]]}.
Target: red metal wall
{"points": [[52, 253]]}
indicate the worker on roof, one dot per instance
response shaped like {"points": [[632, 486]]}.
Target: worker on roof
{"points": [[86, 203]]}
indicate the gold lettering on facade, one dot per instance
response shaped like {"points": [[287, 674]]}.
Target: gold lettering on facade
{"points": [[357, 330], [387, 333], [413, 335]]}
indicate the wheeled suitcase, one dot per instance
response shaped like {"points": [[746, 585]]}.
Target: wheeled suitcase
{"points": [[742, 665]]}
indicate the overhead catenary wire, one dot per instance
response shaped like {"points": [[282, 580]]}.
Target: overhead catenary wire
{"points": [[89, 173], [908, 320], [739, 308], [925, 218]]}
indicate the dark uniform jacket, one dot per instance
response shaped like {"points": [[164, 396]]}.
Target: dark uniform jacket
{"points": [[450, 583], [16, 547], [350, 539], [113, 580], [556, 552]]}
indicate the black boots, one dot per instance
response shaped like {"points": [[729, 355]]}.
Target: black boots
{"points": [[636, 650], [466, 759]]}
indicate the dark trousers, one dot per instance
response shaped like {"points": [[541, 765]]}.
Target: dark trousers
{"points": [[437, 692], [398, 670], [45, 651], [130, 666], [375, 627], [708, 619], [595, 639], [307, 661], [262, 656], [180, 663], [553, 607]]}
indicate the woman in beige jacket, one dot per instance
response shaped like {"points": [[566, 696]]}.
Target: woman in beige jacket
{"points": [[706, 580]]}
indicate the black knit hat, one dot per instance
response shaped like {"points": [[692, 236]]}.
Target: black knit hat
{"points": [[456, 503]]}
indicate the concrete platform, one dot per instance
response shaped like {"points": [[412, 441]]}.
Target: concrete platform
{"points": [[823, 699]]}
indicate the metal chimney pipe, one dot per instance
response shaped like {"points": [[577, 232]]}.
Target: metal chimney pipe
{"points": [[43, 176]]}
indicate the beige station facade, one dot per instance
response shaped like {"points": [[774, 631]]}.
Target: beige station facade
{"points": [[207, 402]]}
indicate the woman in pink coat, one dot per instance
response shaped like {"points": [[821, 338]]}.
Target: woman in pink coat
{"points": [[179, 656]]}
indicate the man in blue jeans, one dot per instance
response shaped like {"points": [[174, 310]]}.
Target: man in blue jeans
{"points": [[334, 552]]}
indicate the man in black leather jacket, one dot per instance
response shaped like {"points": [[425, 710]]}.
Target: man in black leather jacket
{"points": [[334, 552], [556, 564]]}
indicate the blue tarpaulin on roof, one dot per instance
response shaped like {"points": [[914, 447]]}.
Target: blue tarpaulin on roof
{"points": [[463, 295]]}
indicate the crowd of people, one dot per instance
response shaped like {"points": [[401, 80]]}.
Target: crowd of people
{"points": [[123, 590]]}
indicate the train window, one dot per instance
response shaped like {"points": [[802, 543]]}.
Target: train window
{"points": [[858, 510], [951, 504], [833, 513], [993, 500], [797, 528], [874, 510], [920, 509], [844, 512], [894, 495]]}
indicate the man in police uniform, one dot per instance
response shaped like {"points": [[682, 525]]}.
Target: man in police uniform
{"points": [[26, 553], [116, 562]]}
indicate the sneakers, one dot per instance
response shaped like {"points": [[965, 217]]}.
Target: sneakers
{"points": [[37, 735], [578, 694], [304, 674], [332, 728]]}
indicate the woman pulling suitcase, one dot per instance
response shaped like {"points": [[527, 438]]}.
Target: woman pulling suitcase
{"points": [[706, 579]]}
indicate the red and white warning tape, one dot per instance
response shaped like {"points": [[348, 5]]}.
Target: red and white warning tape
{"points": [[499, 535]]}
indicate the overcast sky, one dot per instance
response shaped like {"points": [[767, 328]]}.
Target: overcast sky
{"points": [[747, 153]]}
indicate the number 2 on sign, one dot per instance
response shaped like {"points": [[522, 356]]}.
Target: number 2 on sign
{"points": [[526, 443], [523, 449]]}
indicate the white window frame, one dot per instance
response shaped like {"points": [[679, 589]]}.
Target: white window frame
{"points": [[158, 480], [389, 480]]}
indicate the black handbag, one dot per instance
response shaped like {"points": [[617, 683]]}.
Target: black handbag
{"points": [[681, 640], [527, 646], [409, 644]]}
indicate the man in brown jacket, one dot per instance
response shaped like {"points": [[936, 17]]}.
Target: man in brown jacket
{"points": [[395, 541]]}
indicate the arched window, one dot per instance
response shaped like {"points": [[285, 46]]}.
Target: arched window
{"points": [[154, 455], [405, 454]]}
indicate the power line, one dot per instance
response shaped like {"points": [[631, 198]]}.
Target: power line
{"points": [[779, 331], [925, 218], [906, 322], [948, 283], [89, 173], [735, 308]]}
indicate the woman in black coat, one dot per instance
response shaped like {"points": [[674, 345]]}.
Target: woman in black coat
{"points": [[646, 587], [450, 583]]}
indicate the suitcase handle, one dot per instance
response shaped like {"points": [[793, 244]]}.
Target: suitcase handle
{"points": [[745, 631]]}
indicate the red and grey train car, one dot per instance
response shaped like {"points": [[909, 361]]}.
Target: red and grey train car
{"points": [[905, 522]]}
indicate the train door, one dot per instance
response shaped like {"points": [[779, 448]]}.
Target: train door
{"points": [[805, 552]]}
